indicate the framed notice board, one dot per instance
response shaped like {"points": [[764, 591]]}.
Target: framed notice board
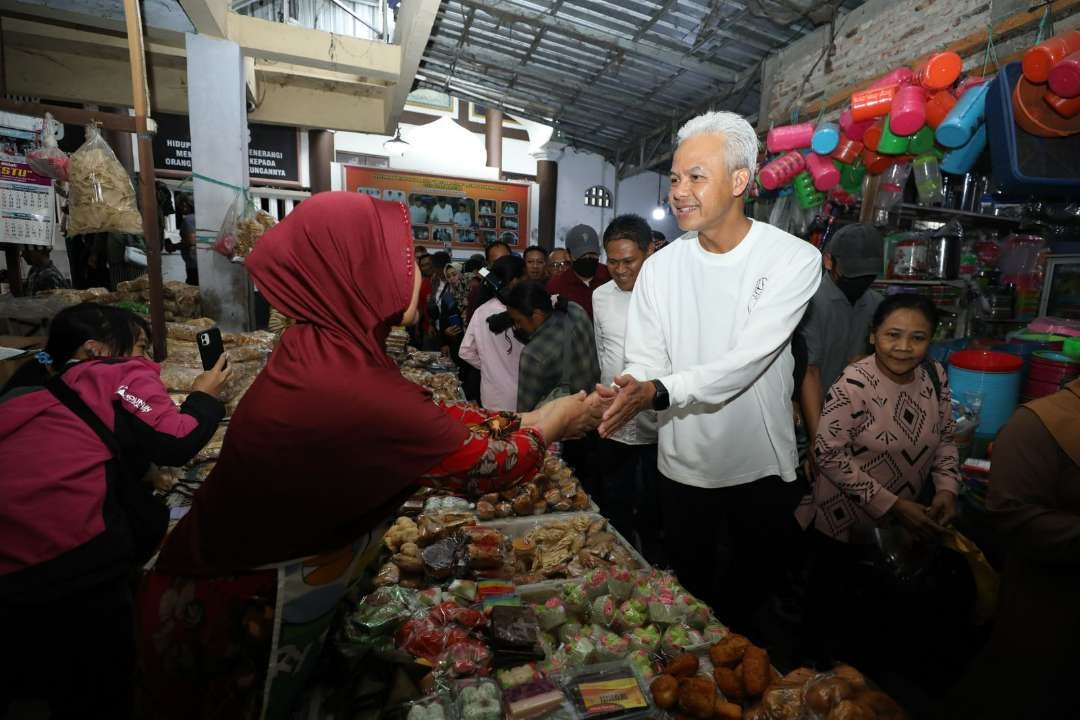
{"points": [[450, 212]]}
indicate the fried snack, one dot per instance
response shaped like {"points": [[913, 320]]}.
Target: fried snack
{"points": [[883, 706], [729, 651], [684, 665], [850, 710], [823, 694], [799, 676], [726, 711], [757, 712], [407, 563], [729, 684], [783, 702], [850, 674], [757, 673], [697, 696], [665, 691], [485, 510]]}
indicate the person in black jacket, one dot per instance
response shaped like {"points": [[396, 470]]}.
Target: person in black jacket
{"points": [[79, 427]]}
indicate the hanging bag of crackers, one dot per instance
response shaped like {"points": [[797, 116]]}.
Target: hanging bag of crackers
{"points": [[244, 224], [102, 198]]}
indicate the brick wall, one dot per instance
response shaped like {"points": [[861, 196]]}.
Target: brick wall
{"points": [[879, 36]]}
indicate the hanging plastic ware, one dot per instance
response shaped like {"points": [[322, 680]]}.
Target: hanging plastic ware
{"points": [[805, 191], [900, 76], [847, 150], [891, 143], [852, 129], [962, 159], [921, 142], [851, 177], [968, 83], [102, 198], [938, 107], [876, 164], [872, 103], [872, 137], [825, 175], [825, 139], [48, 160], [1067, 108], [1064, 78], [790, 137], [939, 71], [908, 112], [968, 113], [928, 180], [1040, 60], [782, 170]]}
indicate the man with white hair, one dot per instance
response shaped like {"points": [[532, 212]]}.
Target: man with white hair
{"points": [[707, 346]]}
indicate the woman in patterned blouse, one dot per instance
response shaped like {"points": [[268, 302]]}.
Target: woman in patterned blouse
{"points": [[886, 431]]}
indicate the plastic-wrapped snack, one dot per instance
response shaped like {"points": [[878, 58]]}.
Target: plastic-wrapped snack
{"points": [[680, 637], [574, 597], [555, 663], [610, 646], [465, 659], [433, 710], [621, 583], [611, 690], [534, 699], [643, 588], [514, 627], [551, 613], [569, 631], [714, 633], [698, 613], [590, 631], [439, 558], [463, 589], [451, 612], [644, 638], [480, 702], [632, 614], [596, 583], [603, 610], [430, 597], [664, 609], [512, 677], [642, 661], [580, 652], [548, 643], [384, 610]]}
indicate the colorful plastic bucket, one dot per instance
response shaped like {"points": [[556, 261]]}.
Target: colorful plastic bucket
{"points": [[1053, 367], [994, 378], [1072, 347]]}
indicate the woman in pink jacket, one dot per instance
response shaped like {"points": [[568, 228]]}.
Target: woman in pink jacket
{"points": [[78, 430]]}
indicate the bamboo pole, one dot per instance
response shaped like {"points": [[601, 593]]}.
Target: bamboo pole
{"points": [[140, 91]]}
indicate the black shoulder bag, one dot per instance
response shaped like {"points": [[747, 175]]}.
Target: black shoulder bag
{"points": [[147, 517]]}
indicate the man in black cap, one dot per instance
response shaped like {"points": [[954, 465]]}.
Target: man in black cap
{"points": [[586, 272], [836, 326]]}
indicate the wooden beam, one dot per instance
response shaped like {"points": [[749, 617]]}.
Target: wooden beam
{"points": [[70, 116], [965, 47], [263, 39]]}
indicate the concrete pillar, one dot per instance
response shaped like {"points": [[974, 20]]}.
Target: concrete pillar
{"points": [[217, 110], [320, 155], [493, 137], [547, 177]]}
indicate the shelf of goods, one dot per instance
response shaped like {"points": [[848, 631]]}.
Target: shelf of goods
{"points": [[951, 213], [558, 616]]}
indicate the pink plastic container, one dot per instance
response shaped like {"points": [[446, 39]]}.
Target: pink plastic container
{"points": [[854, 130], [1055, 326], [1067, 108], [790, 137], [847, 150], [825, 174], [872, 103], [899, 76], [782, 170], [908, 112], [1065, 77]]}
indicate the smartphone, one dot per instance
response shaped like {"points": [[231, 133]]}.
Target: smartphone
{"points": [[210, 346]]}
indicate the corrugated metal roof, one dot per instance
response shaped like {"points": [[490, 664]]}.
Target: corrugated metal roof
{"points": [[611, 74]]}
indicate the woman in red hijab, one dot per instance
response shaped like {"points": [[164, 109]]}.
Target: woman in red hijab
{"points": [[324, 446]]}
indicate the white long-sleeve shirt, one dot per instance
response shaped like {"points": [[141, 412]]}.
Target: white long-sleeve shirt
{"points": [[611, 310], [497, 357], [714, 328]]}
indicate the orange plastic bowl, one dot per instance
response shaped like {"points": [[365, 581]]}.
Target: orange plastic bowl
{"points": [[1035, 116]]}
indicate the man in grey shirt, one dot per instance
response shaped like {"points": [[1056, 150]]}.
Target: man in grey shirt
{"points": [[836, 327]]}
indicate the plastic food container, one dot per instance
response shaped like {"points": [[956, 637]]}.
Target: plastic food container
{"points": [[993, 377], [900, 76], [928, 180], [965, 117], [825, 174], [613, 691], [875, 164], [939, 71], [847, 150], [938, 107], [872, 137], [1040, 60], [1064, 78], [1037, 116], [825, 138], [872, 103], [922, 142], [908, 111], [852, 129], [962, 159], [1067, 108], [790, 137], [891, 143], [782, 170], [908, 258], [807, 194]]}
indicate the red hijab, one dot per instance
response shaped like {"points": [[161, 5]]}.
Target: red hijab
{"points": [[330, 435]]}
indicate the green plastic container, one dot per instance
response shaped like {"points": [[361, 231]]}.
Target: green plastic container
{"points": [[891, 143], [922, 141], [1072, 347]]}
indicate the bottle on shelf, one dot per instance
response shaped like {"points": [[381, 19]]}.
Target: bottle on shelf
{"points": [[928, 180]]}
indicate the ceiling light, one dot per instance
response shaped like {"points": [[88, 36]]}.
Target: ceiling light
{"points": [[396, 145], [659, 213]]}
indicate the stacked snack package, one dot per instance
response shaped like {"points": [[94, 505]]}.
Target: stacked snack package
{"points": [[101, 198]]}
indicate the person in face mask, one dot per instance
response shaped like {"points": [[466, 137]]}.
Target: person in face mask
{"points": [[586, 272], [836, 325]]}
